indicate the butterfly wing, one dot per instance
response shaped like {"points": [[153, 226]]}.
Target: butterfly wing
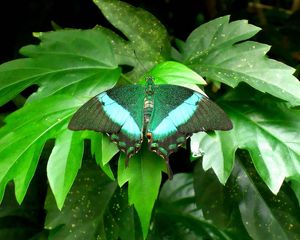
{"points": [[178, 113], [117, 112]]}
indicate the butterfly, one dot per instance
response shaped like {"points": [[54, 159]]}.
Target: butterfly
{"points": [[165, 114]]}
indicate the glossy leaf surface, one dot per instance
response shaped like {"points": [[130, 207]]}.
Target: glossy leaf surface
{"points": [[213, 50]]}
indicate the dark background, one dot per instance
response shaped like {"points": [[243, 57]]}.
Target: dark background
{"points": [[279, 19]]}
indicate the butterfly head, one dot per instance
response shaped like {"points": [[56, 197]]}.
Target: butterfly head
{"points": [[149, 85]]}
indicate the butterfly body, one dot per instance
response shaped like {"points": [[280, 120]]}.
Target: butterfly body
{"points": [[164, 114]]}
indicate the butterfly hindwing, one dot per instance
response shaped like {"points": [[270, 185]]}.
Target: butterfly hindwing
{"points": [[178, 112], [117, 112]]}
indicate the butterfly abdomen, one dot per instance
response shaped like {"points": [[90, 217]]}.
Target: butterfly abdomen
{"points": [[148, 109]]}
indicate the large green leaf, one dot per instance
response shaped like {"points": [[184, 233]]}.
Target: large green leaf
{"points": [[214, 51], [246, 204], [19, 140], [82, 214], [66, 63], [148, 39], [27, 129], [120, 219], [95, 208], [176, 215], [144, 177], [218, 202], [267, 129], [62, 59]]}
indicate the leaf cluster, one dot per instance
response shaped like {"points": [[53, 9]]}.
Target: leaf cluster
{"points": [[71, 66]]}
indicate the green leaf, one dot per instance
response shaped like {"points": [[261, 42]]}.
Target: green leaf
{"points": [[176, 215], [175, 73], [218, 152], [83, 212], [63, 59], [24, 221], [108, 150], [148, 39], [64, 163], [19, 140], [120, 219], [218, 33], [218, 202], [213, 51], [21, 143], [25, 169], [261, 220], [144, 177], [296, 187], [170, 72], [245, 204], [268, 130]]}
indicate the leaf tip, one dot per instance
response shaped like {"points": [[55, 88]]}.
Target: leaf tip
{"points": [[37, 34]]}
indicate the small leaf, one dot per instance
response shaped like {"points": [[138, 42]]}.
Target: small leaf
{"points": [[144, 177], [123, 172], [109, 149], [218, 152], [175, 73], [213, 51], [102, 152], [172, 72], [64, 163]]}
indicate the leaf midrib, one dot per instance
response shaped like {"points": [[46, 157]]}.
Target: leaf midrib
{"points": [[49, 73]]}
